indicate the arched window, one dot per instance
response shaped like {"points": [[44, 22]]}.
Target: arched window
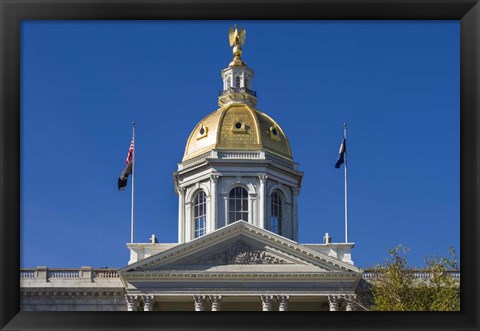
{"points": [[237, 81], [199, 217], [276, 215], [238, 205]]}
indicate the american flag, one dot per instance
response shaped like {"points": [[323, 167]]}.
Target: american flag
{"points": [[130, 153], [122, 180]]}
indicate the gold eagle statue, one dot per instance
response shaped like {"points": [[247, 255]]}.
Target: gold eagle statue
{"points": [[237, 37]]}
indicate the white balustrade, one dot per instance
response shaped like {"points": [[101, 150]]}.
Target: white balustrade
{"points": [[108, 274], [27, 274], [256, 155], [63, 274]]}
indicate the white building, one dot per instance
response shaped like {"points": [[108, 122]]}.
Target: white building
{"points": [[237, 248]]}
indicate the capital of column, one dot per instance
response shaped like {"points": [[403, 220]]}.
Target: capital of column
{"points": [[181, 190], [214, 177], [215, 300], [333, 302], [131, 302], [267, 302], [199, 302], [263, 178], [283, 302], [147, 302]]}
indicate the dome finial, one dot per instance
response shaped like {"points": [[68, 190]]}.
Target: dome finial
{"points": [[237, 40]]}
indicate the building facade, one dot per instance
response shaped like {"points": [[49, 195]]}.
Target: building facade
{"points": [[237, 249]]}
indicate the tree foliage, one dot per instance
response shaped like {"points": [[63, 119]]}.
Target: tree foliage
{"points": [[398, 287]]}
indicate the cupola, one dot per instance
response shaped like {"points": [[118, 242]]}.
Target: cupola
{"points": [[237, 164]]}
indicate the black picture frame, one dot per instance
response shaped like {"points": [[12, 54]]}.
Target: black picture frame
{"points": [[12, 12]]}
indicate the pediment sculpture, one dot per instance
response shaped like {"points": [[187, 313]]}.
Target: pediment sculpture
{"points": [[241, 253]]}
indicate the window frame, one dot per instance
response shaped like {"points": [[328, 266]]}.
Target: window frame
{"points": [[199, 214], [276, 212], [243, 201]]}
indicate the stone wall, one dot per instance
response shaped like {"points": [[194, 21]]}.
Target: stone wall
{"points": [[72, 301], [83, 289]]}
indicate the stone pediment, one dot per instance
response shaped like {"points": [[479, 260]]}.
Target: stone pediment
{"points": [[240, 247], [238, 253], [241, 253]]}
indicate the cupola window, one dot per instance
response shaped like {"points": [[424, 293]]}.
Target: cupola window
{"points": [[276, 218], [199, 218], [237, 81], [238, 205], [274, 133]]}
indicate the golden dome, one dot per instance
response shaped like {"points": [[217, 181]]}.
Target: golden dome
{"points": [[237, 127]]}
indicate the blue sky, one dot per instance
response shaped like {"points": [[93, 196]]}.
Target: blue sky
{"points": [[396, 84]]}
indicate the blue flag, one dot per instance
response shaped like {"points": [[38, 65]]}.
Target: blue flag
{"points": [[341, 153]]}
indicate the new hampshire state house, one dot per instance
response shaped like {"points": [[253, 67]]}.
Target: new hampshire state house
{"points": [[238, 186]]}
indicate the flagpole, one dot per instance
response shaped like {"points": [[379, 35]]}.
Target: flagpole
{"points": [[133, 182], [346, 195]]}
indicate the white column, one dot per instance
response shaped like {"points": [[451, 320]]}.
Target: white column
{"points": [[283, 302], [254, 211], [213, 203], [250, 220], [295, 192], [208, 216], [333, 302], [267, 302], [188, 221], [350, 299], [131, 302], [215, 301], [181, 208], [147, 302], [262, 202], [225, 200], [199, 302]]}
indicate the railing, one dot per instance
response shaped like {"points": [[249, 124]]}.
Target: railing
{"points": [[87, 273], [280, 161], [106, 273], [237, 90], [239, 155], [422, 275], [27, 274], [64, 273], [112, 273], [197, 159]]}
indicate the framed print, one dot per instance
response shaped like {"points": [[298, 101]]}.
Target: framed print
{"points": [[81, 81]]}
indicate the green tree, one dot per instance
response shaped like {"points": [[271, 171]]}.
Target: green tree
{"points": [[398, 287]]}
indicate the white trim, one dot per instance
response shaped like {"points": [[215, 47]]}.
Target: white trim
{"points": [[192, 190], [230, 230], [293, 276], [286, 194]]}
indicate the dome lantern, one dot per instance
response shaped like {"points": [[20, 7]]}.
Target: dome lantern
{"points": [[237, 163], [237, 77]]}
